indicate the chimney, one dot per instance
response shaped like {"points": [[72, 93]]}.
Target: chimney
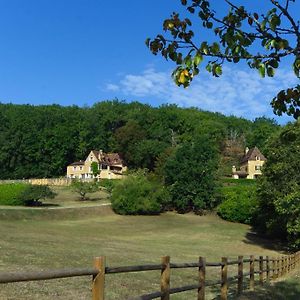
{"points": [[100, 154], [246, 150]]}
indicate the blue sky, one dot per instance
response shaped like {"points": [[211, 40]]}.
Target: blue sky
{"points": [[84, 51]]}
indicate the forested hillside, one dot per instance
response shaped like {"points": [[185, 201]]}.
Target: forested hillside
{"points": [[40, 141]]}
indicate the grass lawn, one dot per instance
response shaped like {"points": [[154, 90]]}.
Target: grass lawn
{"points": [[67, 198], [51, 243], [283, 289]]}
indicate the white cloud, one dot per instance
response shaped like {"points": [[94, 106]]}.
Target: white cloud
{"points": [[112, 87], [238, 92]]}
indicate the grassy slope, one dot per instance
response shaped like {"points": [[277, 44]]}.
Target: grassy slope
{"points": [[125, 240], [284, 289]]}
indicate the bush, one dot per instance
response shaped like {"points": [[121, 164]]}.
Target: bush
{"points": [[138, 195], [83, 188], [23, 194], [109, 184], [32, 194], [239, 204], [10, 193]]}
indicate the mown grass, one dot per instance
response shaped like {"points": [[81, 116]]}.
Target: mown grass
{"points": [[124, 240], [283, 289]]}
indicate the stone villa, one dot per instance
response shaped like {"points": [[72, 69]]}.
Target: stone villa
{"points": [[111, 166], [251, 164]]}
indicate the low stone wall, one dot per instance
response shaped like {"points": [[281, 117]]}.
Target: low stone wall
{"points": [[41, 181]]}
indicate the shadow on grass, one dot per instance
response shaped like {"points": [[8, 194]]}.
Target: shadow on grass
{"points": [[42, 204], [253, 238], [283, 290]]}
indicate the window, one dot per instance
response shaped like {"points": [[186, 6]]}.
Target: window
{"points": [[91, 158], [257, 157], [74, 168], [257, 168], [80, 168]]}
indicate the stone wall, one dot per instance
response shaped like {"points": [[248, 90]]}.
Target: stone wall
{"points": [[41, 181]]}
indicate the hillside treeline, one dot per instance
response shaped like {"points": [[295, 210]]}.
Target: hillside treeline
{"points": [[40, 141]]}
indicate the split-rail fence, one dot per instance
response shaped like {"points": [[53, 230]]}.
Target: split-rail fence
{"points": [[267, 269]]}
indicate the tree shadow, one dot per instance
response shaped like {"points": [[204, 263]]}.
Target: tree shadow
{"points": [[253, 238], [41, 204], [281, 290]]}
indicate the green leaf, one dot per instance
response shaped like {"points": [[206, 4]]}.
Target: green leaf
{"points": [[147, 42], [208, 67], [198, 59], [219, 70], [209, 25], [270, 72], [262, 70]]}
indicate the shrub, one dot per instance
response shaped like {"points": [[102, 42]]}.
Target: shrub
{"points": [[109, 184], [23, 194], [32, 194], [138, 195], [10, 193], [83, 188], [239, 204]]}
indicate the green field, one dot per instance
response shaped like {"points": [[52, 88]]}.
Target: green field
{"points": [[125, 240], [68, 233]]}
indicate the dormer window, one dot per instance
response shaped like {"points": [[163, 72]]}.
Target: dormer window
{"points": [[91, 158], [257, 157]]}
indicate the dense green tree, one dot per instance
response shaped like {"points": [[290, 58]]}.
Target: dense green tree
{"points": [[263, 128], [278, 214], [139, 194], [262, 38], [191, 175]]}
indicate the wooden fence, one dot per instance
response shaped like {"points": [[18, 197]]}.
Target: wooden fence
{"points": [[268, 269]]}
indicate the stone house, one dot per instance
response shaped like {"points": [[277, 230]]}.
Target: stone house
{"points": [[111, 166], [251, 164]]}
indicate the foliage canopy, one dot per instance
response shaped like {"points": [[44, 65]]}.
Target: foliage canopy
{"points": [[261, 38], [191, 175], [138, 194], [278, 213]]}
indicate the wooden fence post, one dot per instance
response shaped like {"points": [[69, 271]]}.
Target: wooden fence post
{"points": [[286, 263], [274, 268], [240, 275], [261, 267], [201, 288], [251, 272], [282, 265], [99, 279], [268, 269], [224, 283], [278, 267], [165, 278]]}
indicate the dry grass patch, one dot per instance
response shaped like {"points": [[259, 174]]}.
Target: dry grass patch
{"points": [[125, 240]]}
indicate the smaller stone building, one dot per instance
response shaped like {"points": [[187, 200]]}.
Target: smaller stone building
{"points": [[111, 166], [251, 164]]}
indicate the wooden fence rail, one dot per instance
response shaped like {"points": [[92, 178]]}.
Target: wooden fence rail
{"points": [[268, 269]]}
